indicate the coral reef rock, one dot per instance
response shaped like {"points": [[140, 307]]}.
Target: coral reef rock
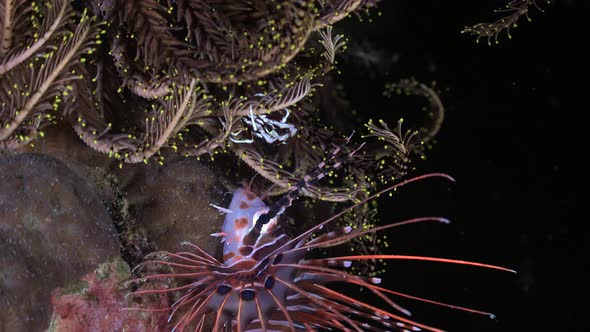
{"points": [[172, 204], [53, 230]]}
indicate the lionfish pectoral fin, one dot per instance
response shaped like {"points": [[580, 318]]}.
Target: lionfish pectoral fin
{"points": [[221, 210], [222, 235]]}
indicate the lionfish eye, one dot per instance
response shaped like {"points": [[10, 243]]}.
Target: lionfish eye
{"points": [[269, 282], [247, 294], [262, 218], [223, 289]]}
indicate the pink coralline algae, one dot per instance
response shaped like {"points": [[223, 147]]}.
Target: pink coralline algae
{"points": [[96, 302]]}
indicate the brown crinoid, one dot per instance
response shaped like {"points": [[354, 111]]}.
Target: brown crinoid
{"points": [[138, 78]]}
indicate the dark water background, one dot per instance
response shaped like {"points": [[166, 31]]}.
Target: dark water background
{"points": [[514, 137]]}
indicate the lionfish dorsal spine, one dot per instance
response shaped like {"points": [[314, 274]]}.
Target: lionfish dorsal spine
{"points": [[317, 173]]}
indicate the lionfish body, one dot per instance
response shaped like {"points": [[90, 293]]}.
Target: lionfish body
{"points": [[265, 282], [247, 289], [244, 208]]}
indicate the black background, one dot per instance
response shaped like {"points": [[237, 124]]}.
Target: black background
{"points": [[514, 138]]}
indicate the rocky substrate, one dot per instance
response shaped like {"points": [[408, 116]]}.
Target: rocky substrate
{"points": [[72, 224]]}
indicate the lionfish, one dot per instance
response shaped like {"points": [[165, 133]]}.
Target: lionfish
{"points": [[266, 283]]}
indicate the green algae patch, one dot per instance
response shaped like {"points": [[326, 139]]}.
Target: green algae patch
{"points": [[116, 265], [103, 271], [122, 269], [76, 287]]}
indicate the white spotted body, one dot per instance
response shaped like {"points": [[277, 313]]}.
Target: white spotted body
{"points": [[244, 209]]}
